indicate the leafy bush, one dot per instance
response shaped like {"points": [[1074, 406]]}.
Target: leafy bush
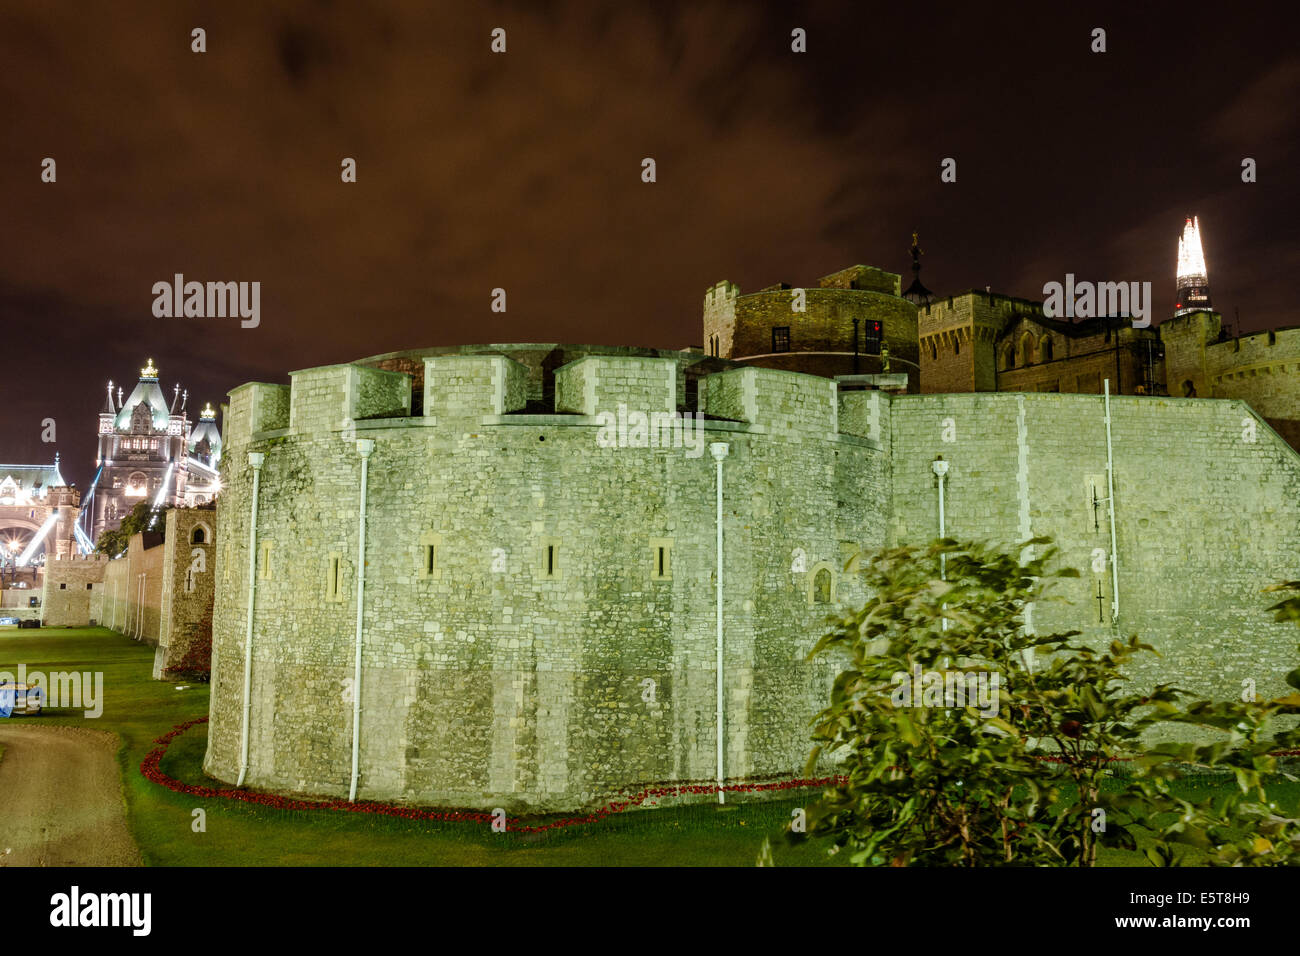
{"points": [[1026, 775], [114, 542]]}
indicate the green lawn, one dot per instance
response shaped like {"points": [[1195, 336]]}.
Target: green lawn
{"points": [[140, 709]]}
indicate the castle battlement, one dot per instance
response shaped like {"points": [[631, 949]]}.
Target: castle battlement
{"points": [[786, 403], [328, 398], [255, 407], [1198, 321], [719, 293], [1268, 348], [460, 386], [476, 387], [95, 558], [597, 383]]}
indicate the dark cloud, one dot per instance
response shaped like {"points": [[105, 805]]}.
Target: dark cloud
{"points": [[522, 171]]}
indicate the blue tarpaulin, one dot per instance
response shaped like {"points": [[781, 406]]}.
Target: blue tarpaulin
{"points": [[21, 698]]}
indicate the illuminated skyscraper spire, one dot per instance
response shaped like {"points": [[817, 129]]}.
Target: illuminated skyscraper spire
{"points": [[1193, 281]]}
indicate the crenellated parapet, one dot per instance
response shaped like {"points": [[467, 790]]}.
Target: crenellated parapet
{"points": [[337, 398], [786, 404], [460, 386], [597, 383], [331, 398], [82, 559], [255, 407]]}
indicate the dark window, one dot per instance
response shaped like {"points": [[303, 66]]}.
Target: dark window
{"points": [[781, 338], [198, 537], [822, 587], [63, 587], [550, 560], [871, 338], [89, 586]]}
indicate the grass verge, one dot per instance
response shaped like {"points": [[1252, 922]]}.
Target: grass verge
{"points": [[167, 828]]}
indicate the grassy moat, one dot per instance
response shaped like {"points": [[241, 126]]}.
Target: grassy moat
{"points": [[139, 709]]}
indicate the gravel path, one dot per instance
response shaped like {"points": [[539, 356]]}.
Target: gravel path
{"points": [[61, 798]]}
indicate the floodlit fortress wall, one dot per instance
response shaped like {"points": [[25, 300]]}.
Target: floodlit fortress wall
{"points": [[539, 615], [538, 619], [1207, 513]]}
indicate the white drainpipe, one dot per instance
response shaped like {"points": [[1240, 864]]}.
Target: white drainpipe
{"points": [[365, 446], [1110, 495], [255, 459], [719, 451], [126, 595], [941, 469]]}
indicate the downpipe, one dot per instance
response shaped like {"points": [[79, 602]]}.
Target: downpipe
{"points": [[719, 451], [365, 447], [255, 459]]}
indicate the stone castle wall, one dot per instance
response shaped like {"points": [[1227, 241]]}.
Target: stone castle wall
{"points": [[538, 621], [188, 576], [133, 591], [68, 590], [1128, 357], [1264, 370], [1205, 518], [160, 592], [539, 610], [957, 335]]}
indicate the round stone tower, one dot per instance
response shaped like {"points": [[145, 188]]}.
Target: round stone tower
{"points": [[533, 604]]}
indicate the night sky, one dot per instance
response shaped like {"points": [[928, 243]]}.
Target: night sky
{"points": [[523, 171]]}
